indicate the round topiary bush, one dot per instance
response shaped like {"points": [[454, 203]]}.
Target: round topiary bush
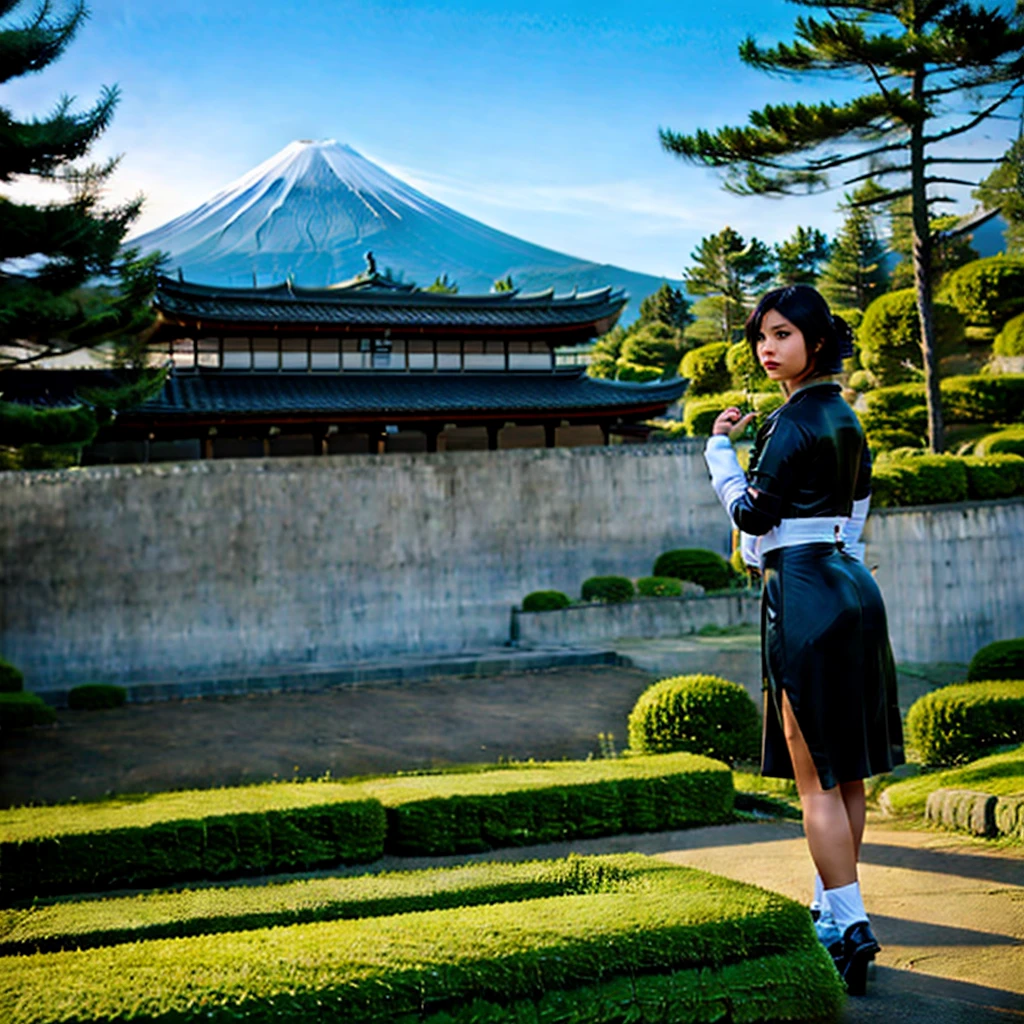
{"points": [[860, 380], [96, 697], [24, 710], [706, 568], [699, 714], [11, 679], [545, 601], [610, 589], [1003, 659], [659, 586], [705, 368], [987, 291], [745, 372], [1010, 340], [890, 336]]}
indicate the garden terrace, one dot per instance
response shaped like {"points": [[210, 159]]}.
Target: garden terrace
{"points": [[629, 938]]}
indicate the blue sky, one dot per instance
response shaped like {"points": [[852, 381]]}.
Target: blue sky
{"points": [[540, 120]]}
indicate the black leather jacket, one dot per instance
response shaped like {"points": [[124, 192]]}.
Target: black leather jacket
{"points": [[809, 459]]}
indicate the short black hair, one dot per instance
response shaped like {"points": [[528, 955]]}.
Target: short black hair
{"points": [[804, 307]]}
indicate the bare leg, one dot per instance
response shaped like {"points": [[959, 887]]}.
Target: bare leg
{"points": [[856, 810], [827, 825]]}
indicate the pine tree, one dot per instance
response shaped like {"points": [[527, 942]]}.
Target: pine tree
{"points": [[923, 62], [50, 253], [731, 270], [1004, 189], [799, 258], [855, 272], [667, 305]]}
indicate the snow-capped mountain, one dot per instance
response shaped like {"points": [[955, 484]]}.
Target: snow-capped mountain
{"points": [[313, 210]]}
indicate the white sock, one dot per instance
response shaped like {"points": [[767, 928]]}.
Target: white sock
{"points": [[846, 905], [818, 900]]}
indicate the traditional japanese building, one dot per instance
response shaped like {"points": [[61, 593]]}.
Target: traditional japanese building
{"points": [[372, 365]]}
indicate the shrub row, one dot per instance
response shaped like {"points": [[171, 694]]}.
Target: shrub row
{"points": [[659, 942], [955, 723], [694, 565], [297, 826], [965, 399], [349, 831], [107, 922], [550, 802], [909, 478]]}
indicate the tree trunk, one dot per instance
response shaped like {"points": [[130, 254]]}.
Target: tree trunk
{"points": [[922, 254]]}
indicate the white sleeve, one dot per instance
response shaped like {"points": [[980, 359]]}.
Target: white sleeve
{"points": [[727, 477], [854, 526], [750, 549]]}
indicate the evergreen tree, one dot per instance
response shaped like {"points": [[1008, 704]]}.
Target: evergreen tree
{"points": [[934, 70], [950, 247], [731, 270], [799, 258], [667, 305], [855, 272], [1004, 189], [50, 253]]}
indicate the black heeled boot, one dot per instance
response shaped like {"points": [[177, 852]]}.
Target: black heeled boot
{"points": [[852, 957]]}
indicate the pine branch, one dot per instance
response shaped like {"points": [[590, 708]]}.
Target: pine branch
{"points": [[930, 140], [33, 45]]}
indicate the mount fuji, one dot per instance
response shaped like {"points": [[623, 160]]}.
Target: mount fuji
{"points": [[313, 210]]}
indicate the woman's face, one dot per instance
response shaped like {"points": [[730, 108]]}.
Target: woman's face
{"points": [[782, 351]]}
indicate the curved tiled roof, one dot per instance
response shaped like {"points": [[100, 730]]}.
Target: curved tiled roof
{"points": [[378, 303], [382, 393]]}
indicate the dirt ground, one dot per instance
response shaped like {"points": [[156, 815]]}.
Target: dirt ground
{"points": [[350, 730]]}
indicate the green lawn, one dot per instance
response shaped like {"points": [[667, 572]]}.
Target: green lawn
{"points": [[1000, 774]]}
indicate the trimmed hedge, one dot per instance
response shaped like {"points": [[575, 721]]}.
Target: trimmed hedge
{"points": [[701, 714], [545, 601], [983, 399], [706, 369], [297, 826], [956, 723], [998, 774], [659, 586], [1002, 442], [11, 678], [987, 291], [610, 589], [1003, 659], [699, 413], [662, 943], [434, 815], [918, 480], [705, 568], [745, 372], [107, 922], [1010, 340], [994, 476], [172, 837], [96, 697], [24, 710]]}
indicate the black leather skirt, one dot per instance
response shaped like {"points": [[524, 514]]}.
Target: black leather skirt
{"points": [[824, 640]]}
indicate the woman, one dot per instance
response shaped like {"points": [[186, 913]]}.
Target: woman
{"points": [[831, 717]]}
